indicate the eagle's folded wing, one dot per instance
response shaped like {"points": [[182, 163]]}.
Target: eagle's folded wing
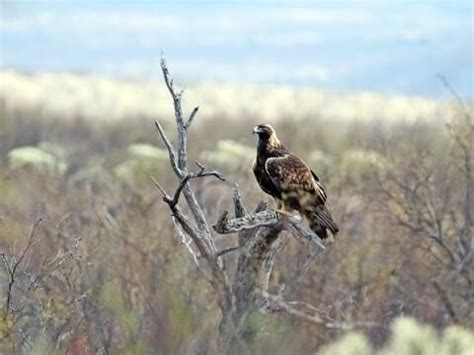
{"points": [[290, 174], [321, 191], [300, 189], [321, 215]]}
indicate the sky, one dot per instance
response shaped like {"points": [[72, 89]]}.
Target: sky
{"points": [[388, 46]]}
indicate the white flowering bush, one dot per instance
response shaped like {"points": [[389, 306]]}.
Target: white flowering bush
{"points": [[46, 157], [68, 95], [230, 154], [408, 337], [146, 152], [456, 341], [142, 160]]}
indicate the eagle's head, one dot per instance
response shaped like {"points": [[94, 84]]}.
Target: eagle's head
{"points": [[267, 134], [264, 130]]}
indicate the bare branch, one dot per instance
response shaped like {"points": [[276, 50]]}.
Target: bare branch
{"points": [[275, 303], [464, 262], [170, 148], [265, 218], [219, 278], [168, 80], [440, 242], [226, 251], [186, 242], [200, 166], [11, 267], [181, 127], [227, 226], [184, 223], [445, 299], [189, 176], [191, 117], [448, 86], [28, 244], [239, 207], [6, 264], [157, 184], [183, 226]]}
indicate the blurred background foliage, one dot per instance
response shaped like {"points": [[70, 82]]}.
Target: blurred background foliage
{"points": [[107, 273]]}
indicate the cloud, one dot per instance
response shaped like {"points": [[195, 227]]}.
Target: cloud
{"points": [[87, 21], [364, 44], [293, 38], [261, 25], [243, 72], [256, 19], [251, 71], [312, 72], [316, 16]]}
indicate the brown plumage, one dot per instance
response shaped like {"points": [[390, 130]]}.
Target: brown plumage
{"points": [[291, 182]]}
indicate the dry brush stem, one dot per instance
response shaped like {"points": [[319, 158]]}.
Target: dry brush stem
{"points": [[12, 264], [274, 303]]}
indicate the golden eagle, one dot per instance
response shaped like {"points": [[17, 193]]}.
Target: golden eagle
{"points": [[288, 179]]}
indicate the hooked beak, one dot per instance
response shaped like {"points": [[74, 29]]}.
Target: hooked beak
{"points": [[256, 130]]}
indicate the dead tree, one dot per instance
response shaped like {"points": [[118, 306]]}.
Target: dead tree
{"points": [[260, 236]]}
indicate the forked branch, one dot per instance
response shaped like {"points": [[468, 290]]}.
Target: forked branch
{"points": [[173, 201]]}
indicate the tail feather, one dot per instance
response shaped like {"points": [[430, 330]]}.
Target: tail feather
{"points": [[319, 230], [319, 220]]}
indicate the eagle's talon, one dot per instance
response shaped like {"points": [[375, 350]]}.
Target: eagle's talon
{"points": [[290, 214]]}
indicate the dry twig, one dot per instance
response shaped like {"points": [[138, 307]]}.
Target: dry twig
{"points": [[11, 267]]}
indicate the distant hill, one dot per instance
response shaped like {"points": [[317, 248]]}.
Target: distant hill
{"points": [[67, 95]]}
